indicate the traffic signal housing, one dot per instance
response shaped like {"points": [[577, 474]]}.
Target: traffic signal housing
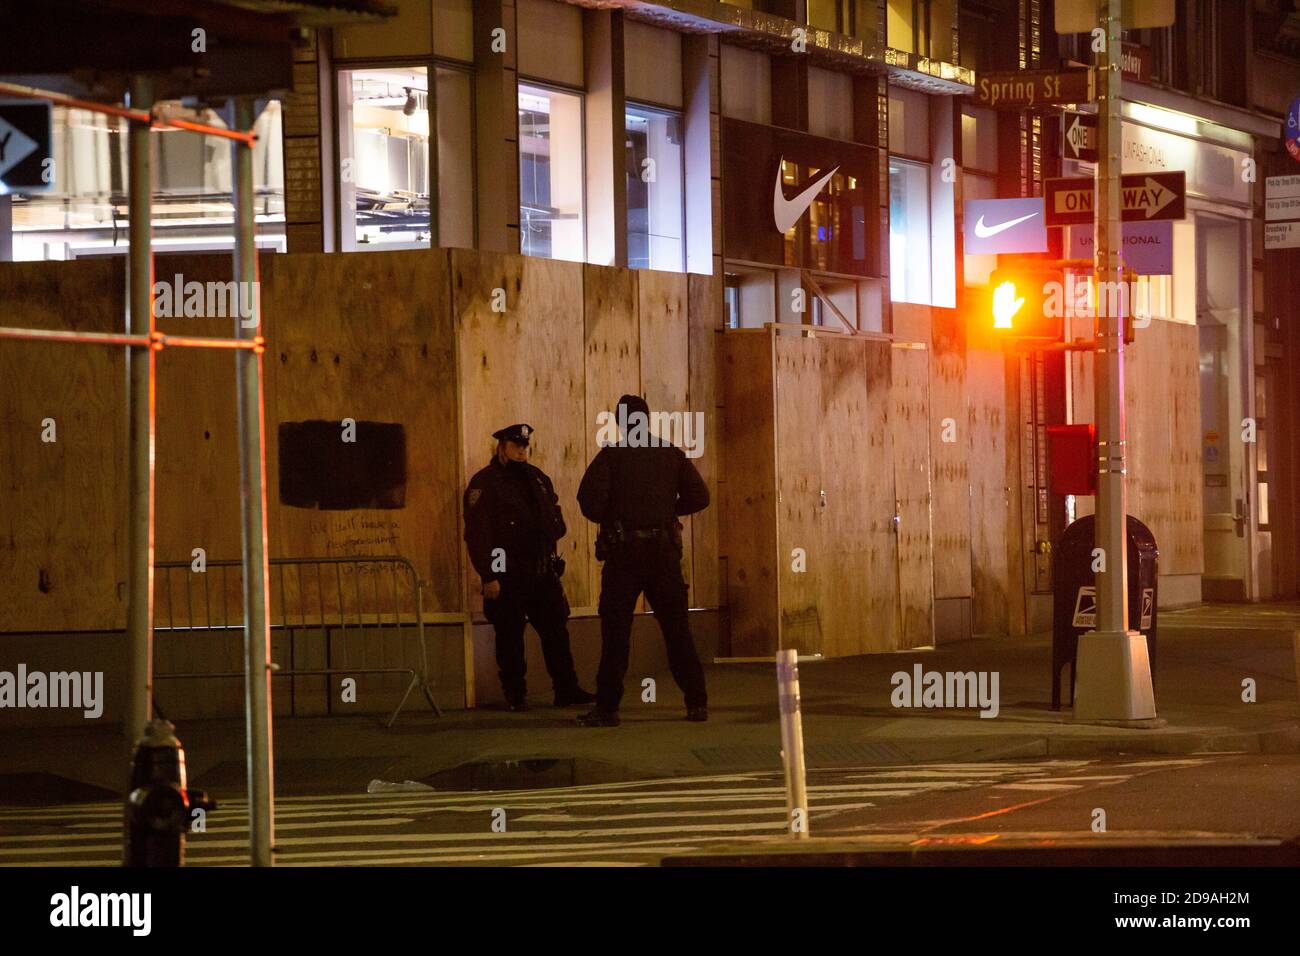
{"points": [[1026, 303]]}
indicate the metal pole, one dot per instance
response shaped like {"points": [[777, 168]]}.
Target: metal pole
{"points": [[140, 429], [252, 487], [796, 787], [1114, 678]]}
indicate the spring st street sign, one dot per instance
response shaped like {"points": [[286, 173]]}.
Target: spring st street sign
{"points": [[1027, 89], [1145, 197]]}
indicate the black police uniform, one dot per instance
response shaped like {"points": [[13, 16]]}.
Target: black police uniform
{"points": [[636, 494], [513, 507]]}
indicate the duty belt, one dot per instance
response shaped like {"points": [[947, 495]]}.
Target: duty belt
{"points": [[647, 533]]}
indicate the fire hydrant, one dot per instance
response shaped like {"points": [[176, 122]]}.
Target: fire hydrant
{"points": [[159, 809]]}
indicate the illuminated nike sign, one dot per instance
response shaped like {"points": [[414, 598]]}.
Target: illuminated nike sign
{"points": [[1004, 225], [988, 232], [786, 212]]}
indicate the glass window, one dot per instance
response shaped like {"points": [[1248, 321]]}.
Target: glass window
{"points": [[384, 158], [551, 222], [909, 123], [746, 84], [900, 25], [655, 207], [85, 212], [909, 231], [979, 139], [830, 104]]}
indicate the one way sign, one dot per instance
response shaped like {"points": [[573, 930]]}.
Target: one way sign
{"points": [[1079, 136], [1146, 197], [26, 163]]}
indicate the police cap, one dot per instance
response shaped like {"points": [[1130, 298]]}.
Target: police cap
{"points": [[516, 433]]}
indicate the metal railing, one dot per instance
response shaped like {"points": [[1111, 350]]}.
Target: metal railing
{"points": [[391, 601]]}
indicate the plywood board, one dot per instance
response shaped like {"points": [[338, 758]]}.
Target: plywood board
{"points": [[612, 349], [378, 347], [991, 489], [1183, 552], [63, 542], [196, 462], [909, 426], [804, 560], [748, 496], [950, 467], [859, 592], [526, 364], [664, 334], [703, 396], [1163, 432]]}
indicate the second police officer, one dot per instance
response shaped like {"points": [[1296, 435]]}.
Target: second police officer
{"points": [[635, 491]]}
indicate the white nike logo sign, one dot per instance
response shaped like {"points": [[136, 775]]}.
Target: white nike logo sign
{"points": [[786, 212], [984, 232]]}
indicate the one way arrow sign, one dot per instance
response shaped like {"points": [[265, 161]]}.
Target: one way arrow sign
{"points": [[1146, 197], [1079, 138], [25, 163]]}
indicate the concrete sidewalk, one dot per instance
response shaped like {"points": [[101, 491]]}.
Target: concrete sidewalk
{"points": [[848, 720]]}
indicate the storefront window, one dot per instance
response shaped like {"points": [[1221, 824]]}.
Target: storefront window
{"points": [[655, 208], [909, 231], [86, 210], [551, 174], [384, 158]]}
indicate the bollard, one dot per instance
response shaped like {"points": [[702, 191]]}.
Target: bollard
{"points": [[796, 787]]}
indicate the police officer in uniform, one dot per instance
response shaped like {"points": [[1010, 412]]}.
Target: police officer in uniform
{"points": [[635, 492], [512, 524]]}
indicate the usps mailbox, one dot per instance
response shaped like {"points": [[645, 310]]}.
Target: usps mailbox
{"points": [[1074, 603]]}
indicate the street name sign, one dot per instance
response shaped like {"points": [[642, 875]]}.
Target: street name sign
{"points": [[1027, 89], [1281, 210], [25, 157], [1144, 197]]}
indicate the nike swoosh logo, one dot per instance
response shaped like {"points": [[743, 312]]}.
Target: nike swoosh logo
{"points": [[786, 212], [984, 232]]}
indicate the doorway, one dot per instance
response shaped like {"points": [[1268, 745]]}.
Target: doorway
{"points": [[1227, 499]]}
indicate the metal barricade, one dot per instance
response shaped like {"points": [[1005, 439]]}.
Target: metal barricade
{"points": [[340, 604]]}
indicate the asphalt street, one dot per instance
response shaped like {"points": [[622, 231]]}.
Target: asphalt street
{"points": [[637, 823]]}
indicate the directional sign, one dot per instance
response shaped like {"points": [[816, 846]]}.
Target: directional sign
{"points": [[1144, 197], [25, 147], [1147, 247], [1079, 140], [1026, 89]]}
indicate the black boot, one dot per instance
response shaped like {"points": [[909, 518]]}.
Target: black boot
{"points": [[573, 696]]}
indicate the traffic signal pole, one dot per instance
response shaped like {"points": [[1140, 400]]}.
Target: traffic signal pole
{"points": [[1114, 672]]}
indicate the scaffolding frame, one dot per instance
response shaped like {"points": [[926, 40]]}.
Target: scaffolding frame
{"points": [[143, 342]]}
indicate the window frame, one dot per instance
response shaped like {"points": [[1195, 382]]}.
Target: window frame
{"points": [[431, 65], [551, 86], [631, 106]]}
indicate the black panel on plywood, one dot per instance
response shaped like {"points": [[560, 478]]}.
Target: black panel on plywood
{"points": [[320, 469]]}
